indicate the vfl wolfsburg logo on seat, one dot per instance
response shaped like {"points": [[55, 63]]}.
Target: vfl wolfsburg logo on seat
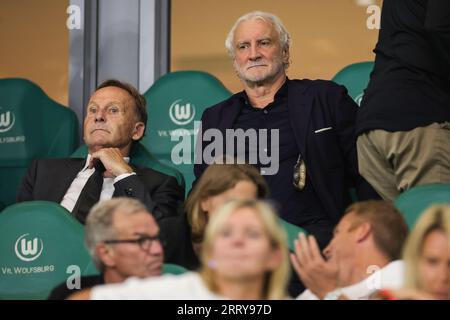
{"points": [[28, 250], [7, 120], [181, 114]]}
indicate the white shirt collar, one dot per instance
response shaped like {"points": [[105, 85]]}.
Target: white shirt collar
{"points": [[391, 276], [88, 159]]}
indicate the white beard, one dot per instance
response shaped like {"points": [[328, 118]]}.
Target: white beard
{"points": [[265, 76]]}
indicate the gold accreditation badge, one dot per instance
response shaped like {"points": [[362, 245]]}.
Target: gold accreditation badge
{"points": [[300, 174]]}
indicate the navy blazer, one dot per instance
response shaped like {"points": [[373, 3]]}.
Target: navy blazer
{"points": [[329, 154]]}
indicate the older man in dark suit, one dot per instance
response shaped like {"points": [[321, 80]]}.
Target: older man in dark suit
{"points": [[314, 142], [116, 118]]}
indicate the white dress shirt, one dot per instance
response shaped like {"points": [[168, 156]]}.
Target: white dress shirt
{"points": [[70, 198], [187, 286], [390, 276]]}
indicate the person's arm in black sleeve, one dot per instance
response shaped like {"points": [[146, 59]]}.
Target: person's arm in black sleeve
{"points": [[25, 192], [200, 145], [163, 201], [345, 116], [60, 292], [437, 23]]}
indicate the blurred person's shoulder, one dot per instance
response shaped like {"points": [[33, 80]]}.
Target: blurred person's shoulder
{"points": [[391, 276], [187, 286], [388, 277], [62, 291]]}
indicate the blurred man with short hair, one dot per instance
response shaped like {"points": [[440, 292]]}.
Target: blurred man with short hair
{"points": [[362, 257], [123, 240]]}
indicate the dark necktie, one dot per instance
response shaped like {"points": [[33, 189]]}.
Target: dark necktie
{"points": [[90, 194]]}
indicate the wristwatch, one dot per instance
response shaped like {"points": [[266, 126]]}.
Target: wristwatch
{"points": [[333, 295]]}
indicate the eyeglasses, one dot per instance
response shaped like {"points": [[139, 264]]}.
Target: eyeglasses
{"points": [[145, 242]]}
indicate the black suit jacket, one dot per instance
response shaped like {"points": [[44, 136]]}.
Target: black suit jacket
{"points": [[61, 292], [177, 241], [49, 179], [330, 155]]}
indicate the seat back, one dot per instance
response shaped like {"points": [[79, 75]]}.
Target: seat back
{"points": [[31, 126], [413, 202], [292, 232], [169, 268], [355, 78], [141, 157], [41, 245], [174, 103]]}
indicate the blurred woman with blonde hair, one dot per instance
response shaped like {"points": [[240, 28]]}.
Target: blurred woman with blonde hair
{"points": [[427, 258], [245, 243]]}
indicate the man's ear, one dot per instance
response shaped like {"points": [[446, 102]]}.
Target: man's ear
{"points": [[138, 130], [105, 254], [363, 231], [286, 55]]}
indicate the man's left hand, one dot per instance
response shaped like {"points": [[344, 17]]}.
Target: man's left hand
{"points": [[113, 161], [318, 275]]}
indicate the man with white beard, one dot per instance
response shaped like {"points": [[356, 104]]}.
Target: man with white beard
{"points": [[314, 120]]}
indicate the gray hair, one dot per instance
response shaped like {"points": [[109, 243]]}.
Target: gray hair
{"points": [[99, 223], [285, 37]]}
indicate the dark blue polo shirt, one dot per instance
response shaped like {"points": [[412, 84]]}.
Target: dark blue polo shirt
{"points": [[303, 207]]}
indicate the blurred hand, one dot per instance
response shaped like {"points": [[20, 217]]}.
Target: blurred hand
{"points": [[317, 274]]}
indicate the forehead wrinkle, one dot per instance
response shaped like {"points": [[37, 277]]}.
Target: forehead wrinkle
{"points": [[271, 30], [147, 234], [115, 92]]}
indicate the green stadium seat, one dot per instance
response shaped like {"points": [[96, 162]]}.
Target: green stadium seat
{"points": [[174, 102], [169, 268], [41, 245], [141, 157], [414, 201], [292, 232], [32, 126], [355, 78]]}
